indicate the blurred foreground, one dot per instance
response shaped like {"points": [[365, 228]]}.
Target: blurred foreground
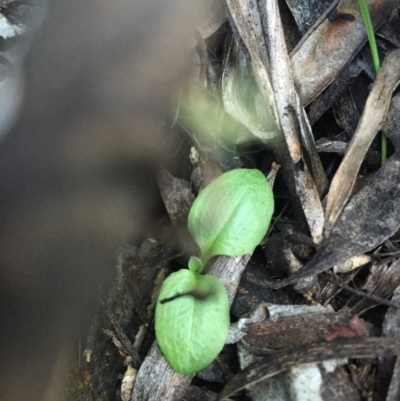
{"points": [[77, 171]]}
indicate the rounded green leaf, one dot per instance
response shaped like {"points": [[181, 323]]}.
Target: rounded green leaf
{"points": [[191, 320], [232, 214], [195, 265]]}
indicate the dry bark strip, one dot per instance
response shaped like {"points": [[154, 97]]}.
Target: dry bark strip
{"points": [[280, 361], [294, 121], [375, 110], [294, 330], [273, 76]]}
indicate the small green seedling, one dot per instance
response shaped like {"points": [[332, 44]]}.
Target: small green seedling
{"points": [[229, 217], [192, 320], [232, 214]]}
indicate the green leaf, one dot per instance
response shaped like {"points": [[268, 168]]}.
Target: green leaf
{"points": [[195, 265], [191, 320], [232, 214]]}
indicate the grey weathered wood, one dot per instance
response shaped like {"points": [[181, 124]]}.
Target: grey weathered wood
{"points": [[307, 12], [362, 226], [391, 329], [280, 361]]}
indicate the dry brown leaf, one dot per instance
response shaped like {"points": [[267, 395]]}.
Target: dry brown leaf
{"points": [[331, 43], [373, 115], [363, 225]]}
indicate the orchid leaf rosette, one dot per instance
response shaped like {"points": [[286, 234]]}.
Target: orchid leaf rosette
{"points": [[229, 217]]}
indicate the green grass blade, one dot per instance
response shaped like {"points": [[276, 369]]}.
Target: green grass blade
{"points": [[370, 33], [375, 59]]}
